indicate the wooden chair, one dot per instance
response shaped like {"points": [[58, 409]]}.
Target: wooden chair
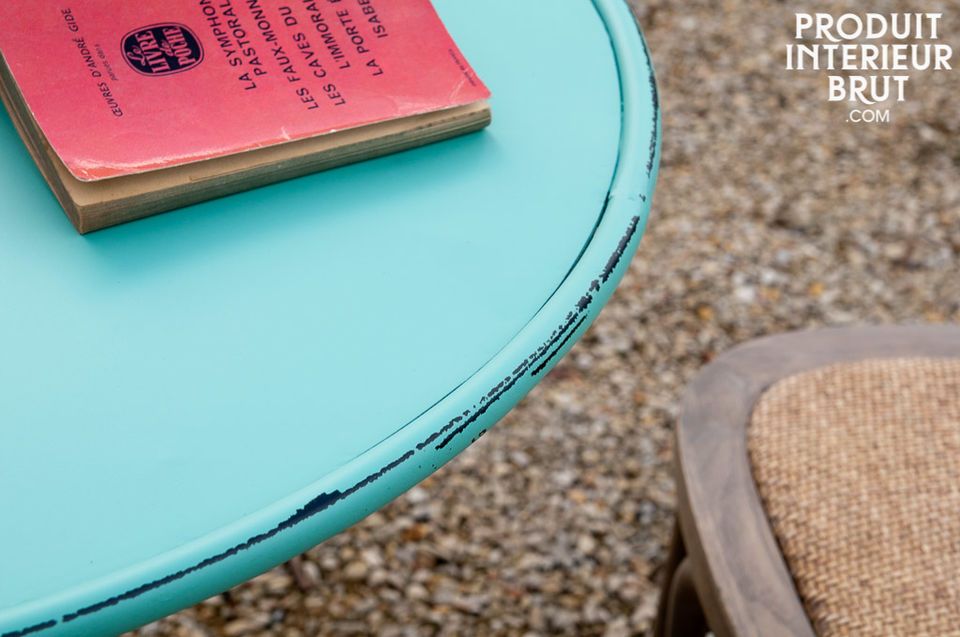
{"points": [[819, 488]]}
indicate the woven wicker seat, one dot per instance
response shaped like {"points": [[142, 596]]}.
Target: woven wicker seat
{"points": [[858, 468], [819, 488]]}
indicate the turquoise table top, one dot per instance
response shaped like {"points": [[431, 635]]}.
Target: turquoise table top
{"points": [[189, 400]]}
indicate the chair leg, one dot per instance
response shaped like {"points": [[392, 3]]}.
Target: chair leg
{"points": [[675, 555], [680, 613]]}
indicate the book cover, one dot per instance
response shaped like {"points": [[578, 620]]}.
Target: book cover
{"points": [[124, 88]]}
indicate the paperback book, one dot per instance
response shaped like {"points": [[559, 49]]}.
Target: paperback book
{"points": [[134, 108]]}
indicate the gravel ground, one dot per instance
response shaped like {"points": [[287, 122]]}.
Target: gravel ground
{"points": [[772, 213]]}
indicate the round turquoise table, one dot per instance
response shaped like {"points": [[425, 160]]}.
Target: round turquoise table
{"points": [[189, 400]]}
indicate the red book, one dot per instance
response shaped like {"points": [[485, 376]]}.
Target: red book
{"points": [[135, 107]]}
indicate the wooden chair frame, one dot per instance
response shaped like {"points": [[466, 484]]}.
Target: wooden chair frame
{"points": [[725, 569]]}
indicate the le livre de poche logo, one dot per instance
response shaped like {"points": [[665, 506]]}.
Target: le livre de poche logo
{"points": [[162, 49], [870, 57]]}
